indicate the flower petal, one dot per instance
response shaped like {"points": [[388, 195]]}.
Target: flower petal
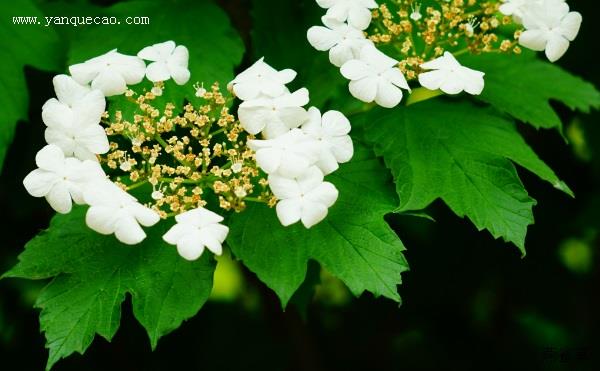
{"points": [[432, 80], [177, 232], [289, 211], [533, 39], [388, 95], [129, 231], [94, 139], [269, 159], [359, 17], [144, 215], [364, 89], [313, 213], [283, 187], [570, 25], [101, 219], [50, 158], [322, 38], [110, 83], [190, 246], [158, 71], [207, 238], [68, 91], [180, 74], [59, 198], [38, 183], [342, 148], [56, 114], [325, 193], [355, 70], [557, 47]]}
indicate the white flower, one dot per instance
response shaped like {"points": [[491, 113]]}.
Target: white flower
{"points": [[289, 155], [73, 119], [343, 41], [306, 198], [550, 28], [261, 79], [416, 15], [61, 179], [112, 210], [450, 76], [169, 61], [274, 116], [356, 12], [375, 77], [110, 72], [195, 230], [331, 132]]}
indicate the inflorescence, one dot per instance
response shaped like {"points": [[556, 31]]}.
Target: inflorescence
{"points": [[381, 46], [182, 156], [147, 161]]}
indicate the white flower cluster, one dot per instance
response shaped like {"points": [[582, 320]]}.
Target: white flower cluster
{"points": [[68, 168], [300, 146], [549, 25], [374, 76]]}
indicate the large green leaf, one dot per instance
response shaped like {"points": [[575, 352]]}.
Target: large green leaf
{"points": [[22, 44], [523, 87], [462, 154], [354, 242], [93, 273]]}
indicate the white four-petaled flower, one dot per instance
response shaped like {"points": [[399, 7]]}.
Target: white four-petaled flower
{"points": [[331, 132], [168, 61], [356, 12], [305, 198], [343, 41], [289, 155], [375, 77], [110, 72], [260, 79], [61, 179], [550, 27], [73, 119], [195, 230], [274, 116], [112, 210], [450, 76]]}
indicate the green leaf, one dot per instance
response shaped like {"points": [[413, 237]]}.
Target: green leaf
{"points": [[22, 44], [354, 242], [93, 273], [289, 48], [462, 154], [523, 86]]}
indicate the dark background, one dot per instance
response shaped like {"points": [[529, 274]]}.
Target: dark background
{"points": [[469, 302]]}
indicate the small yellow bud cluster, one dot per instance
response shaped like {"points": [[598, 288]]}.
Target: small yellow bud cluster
{"points": [[414, 35], [184, 159]]}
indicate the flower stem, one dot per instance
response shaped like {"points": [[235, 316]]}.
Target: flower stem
{"points": [[255, 199], [422, 94], [216, 132], [136, 185], [204, 180]]}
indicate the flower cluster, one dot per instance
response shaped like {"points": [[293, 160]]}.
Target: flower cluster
{"points": [[362, 36], [179, 160], [299, 146]]}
